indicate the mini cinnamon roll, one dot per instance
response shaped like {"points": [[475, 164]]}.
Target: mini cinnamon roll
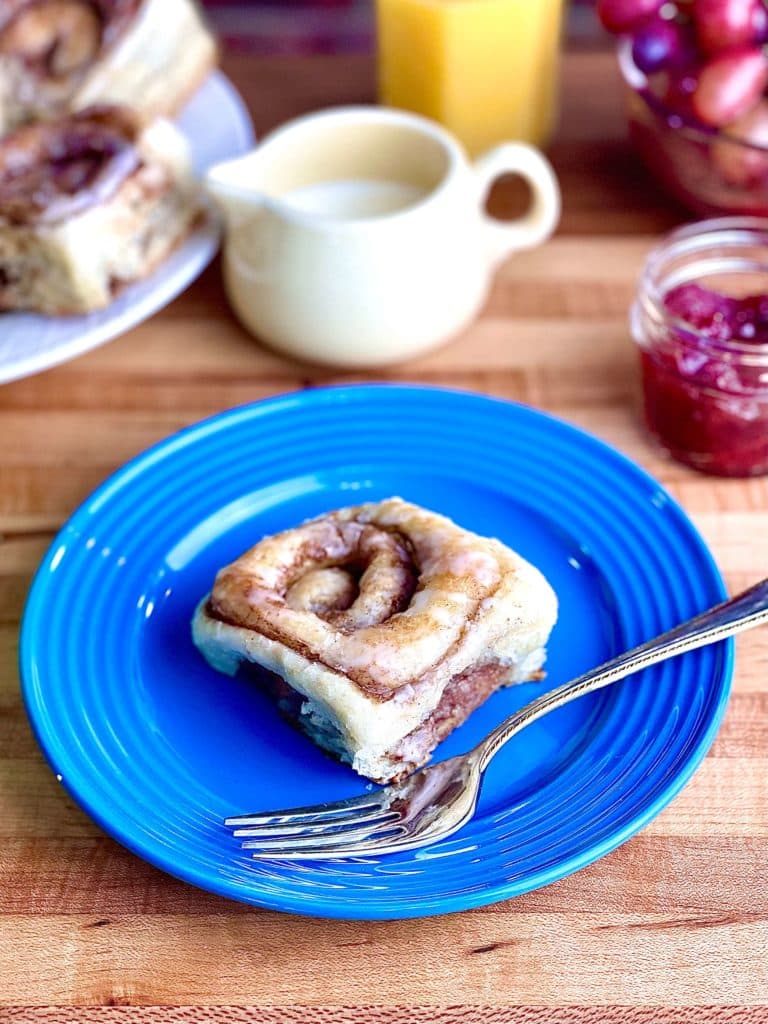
{"points": [[378, 629], [88, 203], [57, 56]]}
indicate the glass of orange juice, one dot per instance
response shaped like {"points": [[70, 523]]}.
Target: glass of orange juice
{"points": [[485, 69]]}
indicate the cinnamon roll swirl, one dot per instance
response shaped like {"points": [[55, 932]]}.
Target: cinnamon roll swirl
{"points": [[57, 56], [88, 203], [378, 629]]}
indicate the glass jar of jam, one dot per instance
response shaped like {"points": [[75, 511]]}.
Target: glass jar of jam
{"points": [[701, 322]]}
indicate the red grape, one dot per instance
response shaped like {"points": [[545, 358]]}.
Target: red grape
{"points": [[625, 15], [761, 25], [729, 86], [729, 24], [660, 44], [678, 95]]}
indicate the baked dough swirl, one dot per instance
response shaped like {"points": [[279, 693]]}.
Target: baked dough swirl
{"points": [[54, 170], [392, 621], [61, 38], [88, 203], [57, 56]]}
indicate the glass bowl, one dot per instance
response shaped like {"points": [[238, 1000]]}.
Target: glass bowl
{"points": [[708, 171]]}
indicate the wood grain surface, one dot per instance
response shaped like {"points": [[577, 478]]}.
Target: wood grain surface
{"points": [[672, 928]]}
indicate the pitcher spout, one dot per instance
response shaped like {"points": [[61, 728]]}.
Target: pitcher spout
{"points": [[229, 185]]}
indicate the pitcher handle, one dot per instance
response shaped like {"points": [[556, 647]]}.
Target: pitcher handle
{"points": [[539, 222]]}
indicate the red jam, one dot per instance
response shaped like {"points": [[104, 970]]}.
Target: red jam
{"points": [[705, 381]]}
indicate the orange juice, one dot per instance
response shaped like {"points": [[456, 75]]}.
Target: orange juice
{"points": [[485, 69]]}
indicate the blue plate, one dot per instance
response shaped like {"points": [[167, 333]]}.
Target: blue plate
{"points": [[159, 749]]}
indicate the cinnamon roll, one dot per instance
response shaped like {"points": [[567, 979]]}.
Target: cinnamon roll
{"points": [[57, 56], [378, 629], [88, 203]]}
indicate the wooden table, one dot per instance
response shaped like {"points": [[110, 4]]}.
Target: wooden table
{"points": [[675, 920]]}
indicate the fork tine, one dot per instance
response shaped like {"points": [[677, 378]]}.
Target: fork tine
{"points": [[336, 826], [386, 828], [378, 844], [316, 812]]}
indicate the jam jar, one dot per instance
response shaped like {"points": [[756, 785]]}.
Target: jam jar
{"points": [[700, 320]]}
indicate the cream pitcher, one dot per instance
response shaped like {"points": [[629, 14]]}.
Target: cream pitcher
{"points": [[358, 236]]}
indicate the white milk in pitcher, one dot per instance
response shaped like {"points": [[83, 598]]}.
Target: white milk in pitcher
{"points": [[354, 199]]}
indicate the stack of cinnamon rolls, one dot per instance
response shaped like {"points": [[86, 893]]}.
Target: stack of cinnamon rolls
{"points": [[95, 181]]}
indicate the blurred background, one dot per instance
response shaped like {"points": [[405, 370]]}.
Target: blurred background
{"points": [[332, 26]]}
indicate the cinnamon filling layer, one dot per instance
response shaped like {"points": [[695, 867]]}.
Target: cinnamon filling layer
{"points": [[53, 170], [463, 695]]}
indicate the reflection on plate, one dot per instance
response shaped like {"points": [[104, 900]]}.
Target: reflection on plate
{"points": [[217, 126], [159, 748]]}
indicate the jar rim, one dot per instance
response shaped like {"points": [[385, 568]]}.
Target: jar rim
{"points": [[689, 240]]}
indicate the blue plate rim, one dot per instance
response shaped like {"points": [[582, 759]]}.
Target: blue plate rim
{"points": [[329, 908]]}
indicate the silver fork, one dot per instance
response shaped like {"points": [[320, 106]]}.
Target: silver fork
{"points": [[436, 801]]}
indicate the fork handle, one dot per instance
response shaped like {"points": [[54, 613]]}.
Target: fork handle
{"points": [[744, 611]]}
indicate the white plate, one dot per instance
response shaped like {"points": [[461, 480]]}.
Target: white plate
{"points": [[217, 126]]}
